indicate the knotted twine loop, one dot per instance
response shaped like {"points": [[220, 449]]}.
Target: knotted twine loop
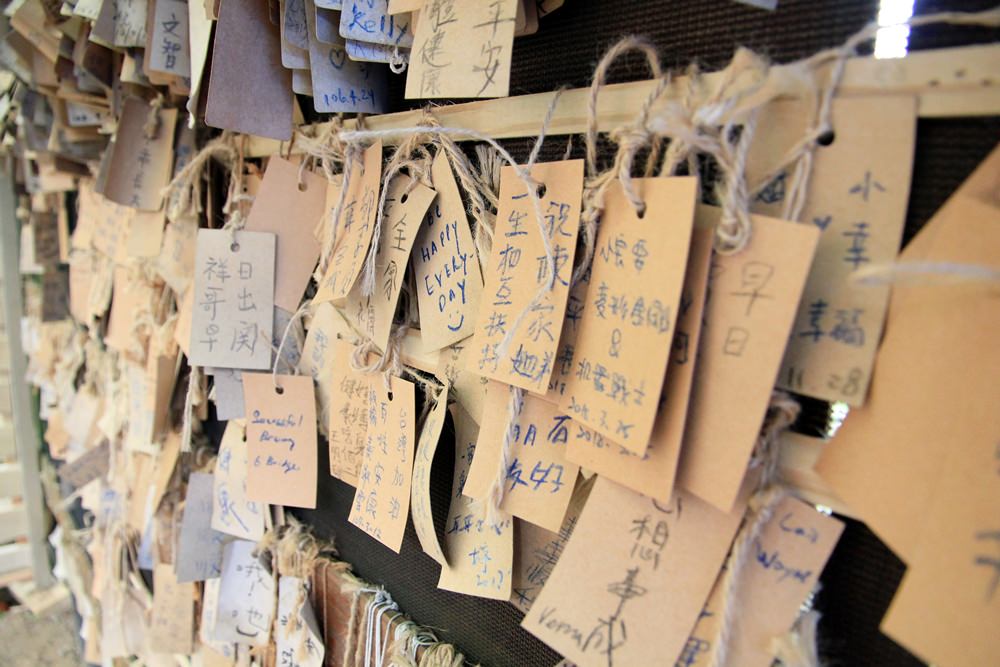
{"points": [[152, 125], [185, 188], [442, 655], [367, 359]]}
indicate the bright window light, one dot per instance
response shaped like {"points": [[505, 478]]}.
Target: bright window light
{"points": [[893, 35]]}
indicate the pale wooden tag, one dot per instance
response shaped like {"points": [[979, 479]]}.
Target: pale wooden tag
{"points": [[518, 269], [170, 50], [247, 597], [469, 387], [233, 292], [354, 231], [348, 414], [233, 512], [175, 263], [420, 491], [627, 325], [540, 480], [632, 580], [281, 439], [858, 192], [446, 266], [480, 554], [145, 234], [382, 501], [199, 548], [140, 165], [171, 629], [303, 646], [342, 84], [289, 203], [405, 206], [462, 50], [653, 473], [371, 22], [751, 304]]}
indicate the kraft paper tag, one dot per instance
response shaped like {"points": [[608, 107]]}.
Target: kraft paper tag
{"points": [[540, 480], [564, 368], [751, 304], [348, 414], [857, 198], [302, 646], [175, 263], [446, 266], [630, 584], [199, 548], [145, 234], [233, 299], [316, 360], [371, 22], [518, 269], [653, 473], [140, 166], [247, 597], [480, 554], [469, 388], [420, 492], [172, 627], [462, 50], [354, 231], [249, 91], [288, 205], [402, 6], [629, 317], [169, 51], [382, 500], [405, 206], [281, 439], [233, 512]]}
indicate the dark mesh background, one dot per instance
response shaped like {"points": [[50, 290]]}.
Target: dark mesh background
{"points": [[859, 582]]}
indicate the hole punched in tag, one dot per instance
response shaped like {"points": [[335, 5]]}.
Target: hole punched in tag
{"points": [[279, 390], [827, 138], [390, 396], [541, 190], [234, 246]]}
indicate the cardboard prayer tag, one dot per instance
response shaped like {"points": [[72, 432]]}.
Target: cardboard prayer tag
{"points": [[462, 50], [480, 554], [316, 361], [371, 22], [653, 473], [382, 500], [405, 205], [751, 304], [140, 164], [225, 652], [294, 23], [353, 231], [281, 439], [348, 430], [297, 636], [539, 481], [342, 84], [517, 338], [145, 234], [169, 51], [247, 597], [446, 266], [302, 82], [199, 547], [469, 388], [171, 629], [402, 6], [628, 320], [327, 25], [127, 22], [175, 263], [292, 56], [633, 578], [857, 198], [249, 90], [233, 299], [420, 491], [200, 38], [233, 512]]}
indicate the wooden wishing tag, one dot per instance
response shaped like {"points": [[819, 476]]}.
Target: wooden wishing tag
{"points": [[446, 265], [480, 554], [296, 635], [289, 203], [199, 548], [249, 91], [858, 191], [382, 500], [355, 227], [170, 51], [140, 165], [469, 388], [175, 263], [653, 473], [462, 50], [281, 439], [420, 491], [371, 22], [518, 340], [540, 480], [247, 597], [751, 304], [348, 432], [628, 320], [171, 629], [632, 580], [405, 206], [233, 299], [233, 513]]}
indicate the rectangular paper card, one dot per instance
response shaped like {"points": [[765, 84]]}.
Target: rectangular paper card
{"points": [[297, 637], [633, 578], [233, 299], [371, 22], [175, 263], [382, 500], [170, 50], [420, 491], [171, 629], [234, 513], [653, 473], [517, 339], [540, 480], [199, 548], [348, 432], [446, 265], [858, 192], [281, 439], [140, 165], [247, 597], [469, 388], [626, 330], [325, 326], [753, 296], [480, 553]]}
